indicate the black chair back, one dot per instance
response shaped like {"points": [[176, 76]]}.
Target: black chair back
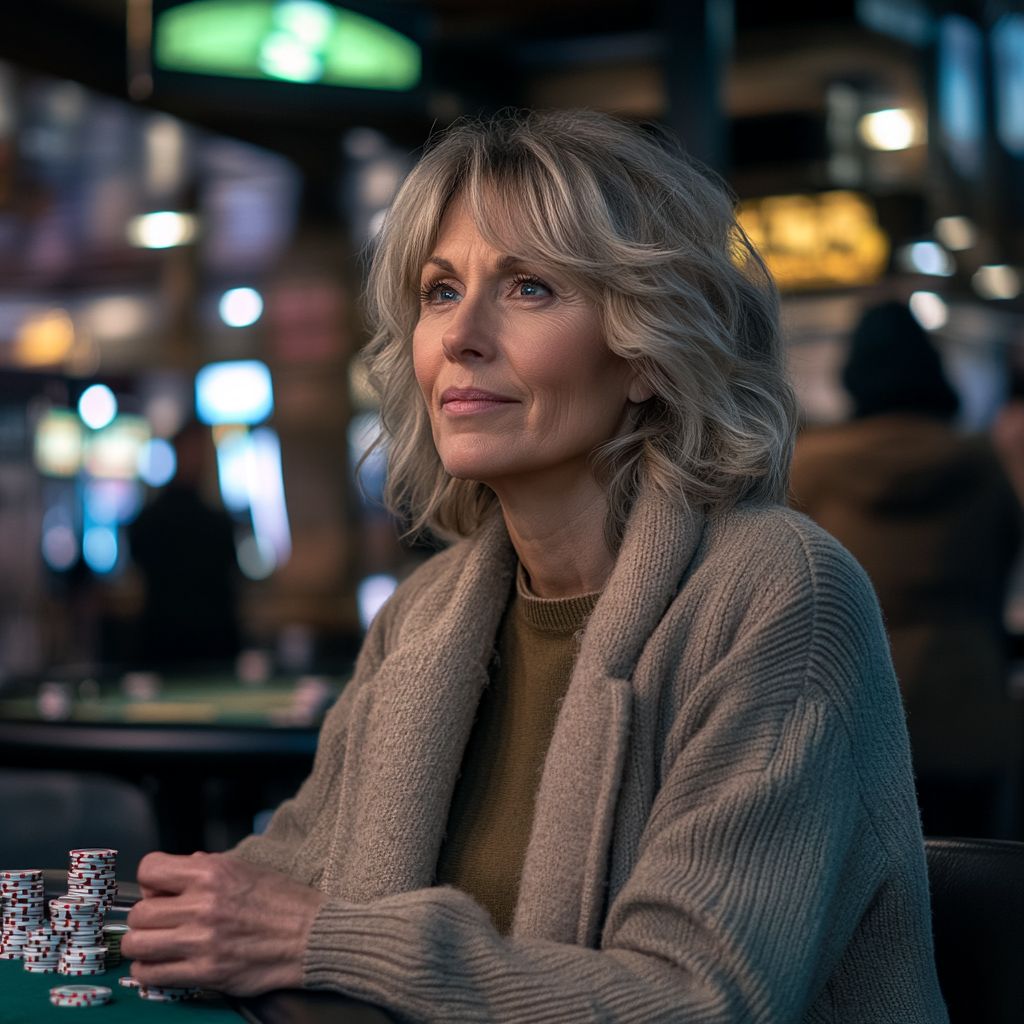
{"points": [[978, 919]]}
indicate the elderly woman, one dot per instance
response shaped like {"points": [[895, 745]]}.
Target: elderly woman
{"points": [[631, 749]]}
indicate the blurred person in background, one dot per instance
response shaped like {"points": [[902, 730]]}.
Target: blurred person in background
{"points": [[1008, 429], [186, 552], [932, 517]]}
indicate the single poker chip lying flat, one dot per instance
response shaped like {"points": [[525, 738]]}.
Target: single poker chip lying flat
{"points": [[81, 992], [33, 874], [167, 994], [128, 982]]}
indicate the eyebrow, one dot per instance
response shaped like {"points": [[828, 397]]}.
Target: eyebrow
{"points": [[504, 264]]}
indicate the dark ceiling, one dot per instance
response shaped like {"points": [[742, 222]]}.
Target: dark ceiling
{"points": [[482, 54]]}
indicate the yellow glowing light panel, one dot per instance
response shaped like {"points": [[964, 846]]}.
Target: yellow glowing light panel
{"points": [[113, 452], [58, 446], [44, 339], [827, 240]]}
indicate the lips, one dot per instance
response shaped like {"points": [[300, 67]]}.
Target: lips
{"points": [[450, 395]]}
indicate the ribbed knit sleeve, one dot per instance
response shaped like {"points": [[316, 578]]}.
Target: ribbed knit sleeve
{"points": [[781, 861]]}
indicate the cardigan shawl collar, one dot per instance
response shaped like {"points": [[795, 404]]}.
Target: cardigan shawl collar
{"points": [[410, 729]]}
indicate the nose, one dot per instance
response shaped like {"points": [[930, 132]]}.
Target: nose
{"points": [[469, 335]]}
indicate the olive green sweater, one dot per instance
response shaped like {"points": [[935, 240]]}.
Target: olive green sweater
{"points": [[492, 807], [725, 828]]}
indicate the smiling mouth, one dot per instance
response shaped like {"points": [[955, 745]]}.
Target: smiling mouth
{"points": [[463, 400]]}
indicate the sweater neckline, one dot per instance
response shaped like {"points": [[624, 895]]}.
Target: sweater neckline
{"points": [[561, 615]]}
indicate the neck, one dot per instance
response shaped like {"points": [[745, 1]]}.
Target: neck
{"points": [[557, 529]]}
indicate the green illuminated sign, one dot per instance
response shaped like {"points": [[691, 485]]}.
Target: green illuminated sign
{"points": [[286, 40]]}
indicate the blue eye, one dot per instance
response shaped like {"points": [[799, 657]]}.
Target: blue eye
{"points": [[532, 289], [439, 293]]}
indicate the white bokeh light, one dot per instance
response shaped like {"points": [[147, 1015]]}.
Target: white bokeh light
{"points": [[930, 310], [889, 130], [996, 281], [97, 406], [372, 594], [162, 230], [240, 307]]}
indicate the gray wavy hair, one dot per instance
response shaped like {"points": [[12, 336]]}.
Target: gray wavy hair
{"points": [[652, 239]]}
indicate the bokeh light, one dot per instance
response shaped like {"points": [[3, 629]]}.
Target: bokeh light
{"points": [[926, 258], [60, 547], [240, 307], [956, 233], [157, 462], [996, 281], [930, 310], [234, 392], [889, 130], [97, 406], [372, 594], [162, 230], [99, 548]]}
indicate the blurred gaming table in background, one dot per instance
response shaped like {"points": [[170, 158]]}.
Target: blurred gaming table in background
{"points": [[210, 752]]}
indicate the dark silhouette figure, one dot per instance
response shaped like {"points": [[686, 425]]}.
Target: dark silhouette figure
{"points": [[930, 515], [186, 552]]}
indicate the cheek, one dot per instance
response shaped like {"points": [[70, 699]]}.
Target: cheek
{"points": [[424, 364]]}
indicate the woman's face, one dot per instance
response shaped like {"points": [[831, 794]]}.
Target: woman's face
{"points": [[512, 363]]}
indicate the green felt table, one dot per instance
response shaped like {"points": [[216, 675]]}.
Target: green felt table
{"points": [[187, 700], [25, 999]]}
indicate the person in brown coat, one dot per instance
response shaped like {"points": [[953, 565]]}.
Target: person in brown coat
{"points": [[930, 515]]}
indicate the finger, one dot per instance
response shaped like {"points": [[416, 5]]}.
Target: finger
{"points": [[176, 973], [165, 911], [156, 944], [168, 872]]}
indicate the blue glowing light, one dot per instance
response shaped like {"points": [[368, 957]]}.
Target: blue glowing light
{"points": [[233, 449], [961, 93], [1008, 75], [99, 548], [235, 392], [157, 462]]}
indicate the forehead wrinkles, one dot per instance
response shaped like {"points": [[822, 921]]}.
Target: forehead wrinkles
{"points": [[512, 222]]}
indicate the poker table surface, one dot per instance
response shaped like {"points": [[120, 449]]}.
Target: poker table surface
{"points": [[25, 999], [192, 700]]}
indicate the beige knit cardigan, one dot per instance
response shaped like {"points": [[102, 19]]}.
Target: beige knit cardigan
{"points": [[725, 826]]}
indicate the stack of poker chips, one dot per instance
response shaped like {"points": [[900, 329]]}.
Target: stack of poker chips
{"points": [[79, 995], [93, 874], [79, 922], [22, 892], [112, 935], [42, 950], [163, 994], [78, 962]]}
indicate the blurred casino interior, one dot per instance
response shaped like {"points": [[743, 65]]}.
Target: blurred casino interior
{"points": [[188, 191]]}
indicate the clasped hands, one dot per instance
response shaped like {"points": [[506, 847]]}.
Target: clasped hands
{"points": [[217, 922]]}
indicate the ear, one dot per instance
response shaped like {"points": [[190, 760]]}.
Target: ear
{"points": [[639, 390]]}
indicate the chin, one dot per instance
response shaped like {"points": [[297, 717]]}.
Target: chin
{"points": [[474, 464]]}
